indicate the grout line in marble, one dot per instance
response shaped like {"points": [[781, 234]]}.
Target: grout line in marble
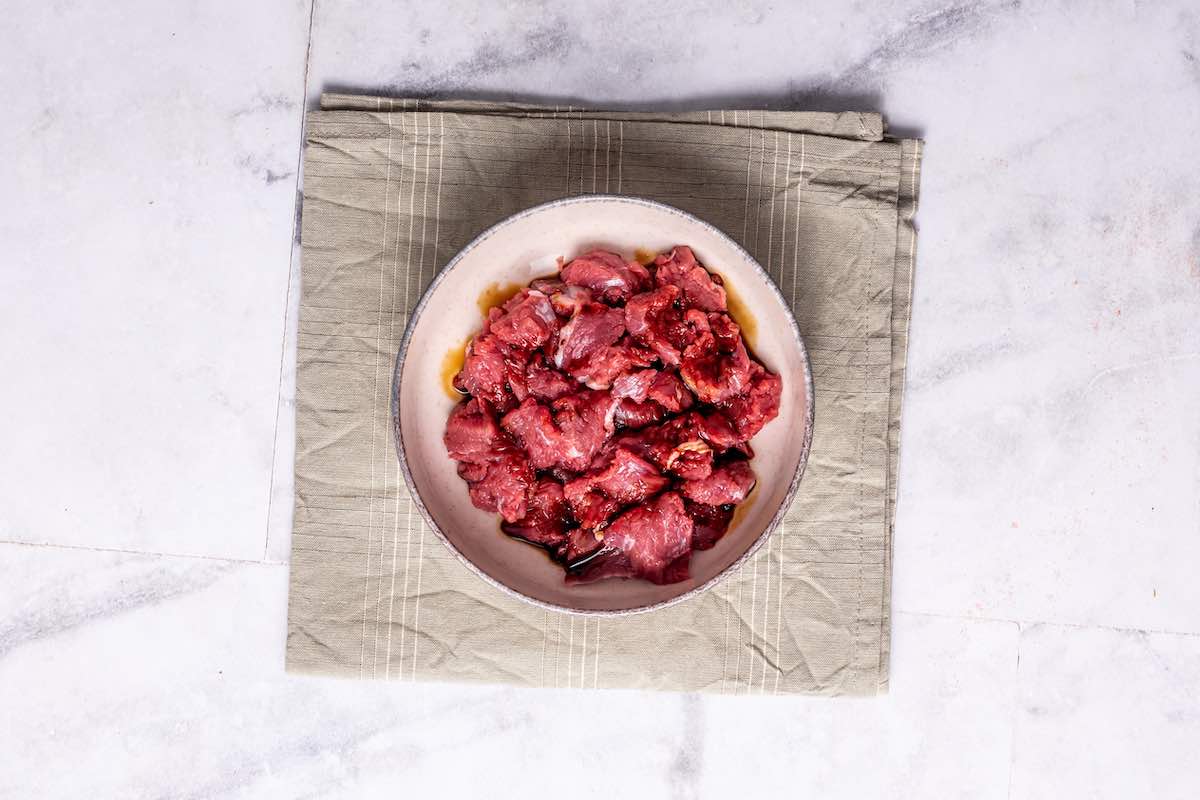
{"points": [[129, 552], [287, 297], [1012, 727], [1021, 623]]}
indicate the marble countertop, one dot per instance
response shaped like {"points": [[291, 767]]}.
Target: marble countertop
{"points": [[1047, 611]]}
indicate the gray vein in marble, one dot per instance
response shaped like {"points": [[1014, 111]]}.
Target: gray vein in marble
{"points": [[548, 41], [1149, 362], [268, 175], [52, 612], [919, 39], [264, 103], [346, 736], [958, 362], [688, 763], [1023, 625]]}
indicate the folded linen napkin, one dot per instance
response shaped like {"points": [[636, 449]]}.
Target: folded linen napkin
{"points": [[393, 188]]}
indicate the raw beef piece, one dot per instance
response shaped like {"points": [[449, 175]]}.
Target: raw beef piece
{"points": [[635, 411], [691, 460], [486, 371], [547, 286], [709, 523], [593, 326], [545, 382], [627, 478], [718, 431], [528, 322], [725, 331], [714, 376], [532, 425], [471, 471], [670, 393], [544, 522], [472, 434], [654, 320], [586, 422], [580, 543], [749, 412], [607, 275], [497, 473], [504, 487], [567, 300], [605, 364], [652, 541], [634, 385], [591, 509], [679, 268], [633, 415], [599, 494], [675, 446], [727, 485], [568, 434]]}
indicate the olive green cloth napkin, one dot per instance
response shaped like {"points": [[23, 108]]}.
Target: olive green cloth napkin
{"points": [[393, 188]]}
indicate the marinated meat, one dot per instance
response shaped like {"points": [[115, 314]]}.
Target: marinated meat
{"points": [[634, 415], [567, 434], [717, 430], [714, 376], [728, 484], [545, 521], [504, 487], [533, 427], [594, 325], [700, 288], [566, 300], [592, 509], [527, 323], [709, 523], [654, 320], [545, 382], [472, 434], [677, 447], [627, 478], [606, 275], [580, 543], [670, 393], [604, 365], [750, 411], [652, 541], [609, 414], [635, 385], [586, 422]]}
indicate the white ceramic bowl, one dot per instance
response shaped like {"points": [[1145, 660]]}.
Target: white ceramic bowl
{"points": [[516, 251]]}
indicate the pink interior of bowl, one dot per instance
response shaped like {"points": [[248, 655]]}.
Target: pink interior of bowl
{"points": [[513, 253]]}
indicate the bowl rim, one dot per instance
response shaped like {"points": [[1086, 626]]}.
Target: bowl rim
{"points": [[398, 435]]}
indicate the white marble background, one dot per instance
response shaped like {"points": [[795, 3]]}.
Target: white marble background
{"points": [[1047, 625]]}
